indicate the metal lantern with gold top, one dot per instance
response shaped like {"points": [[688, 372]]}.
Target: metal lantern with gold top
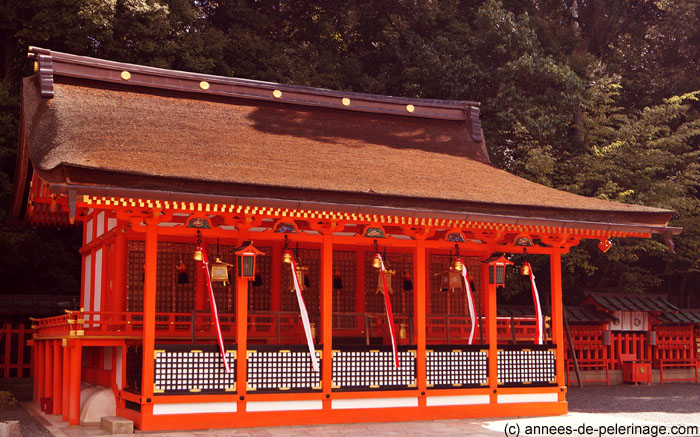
{"points": [[219, 271]]}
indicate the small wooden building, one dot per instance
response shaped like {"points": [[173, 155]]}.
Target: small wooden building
{"points": [[156, 165]]}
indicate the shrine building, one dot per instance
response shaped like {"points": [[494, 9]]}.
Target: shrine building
{"points": [[260, 254]]}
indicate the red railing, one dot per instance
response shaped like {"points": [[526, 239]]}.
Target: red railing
{"points": [[674, 343], [626, 342], [15, 356]]}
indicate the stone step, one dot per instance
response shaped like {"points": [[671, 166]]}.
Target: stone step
{"points": [[117, 425]]}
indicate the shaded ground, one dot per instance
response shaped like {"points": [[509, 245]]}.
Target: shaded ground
{"points": [[671, 404], [667, 403]]}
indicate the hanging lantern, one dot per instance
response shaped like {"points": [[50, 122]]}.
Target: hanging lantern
{"points": [[451, 280], [604, 245], [245, 260], [219, 271], [525, 269], [182, 273], [407, 281], [337, 280], [497, 268]]}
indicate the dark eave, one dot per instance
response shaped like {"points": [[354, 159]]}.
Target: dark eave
{"points": [[361, 209]]}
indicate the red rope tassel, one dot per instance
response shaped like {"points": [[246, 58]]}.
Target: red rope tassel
{"points": [[389, 313], [215, 313]]}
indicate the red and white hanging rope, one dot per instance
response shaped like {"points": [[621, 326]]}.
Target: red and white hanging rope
{"points": [[212, 302], [304, 315], [538, 308], [389, 313], [470, 300]]}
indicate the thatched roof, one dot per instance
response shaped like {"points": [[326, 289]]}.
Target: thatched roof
{"points": [[160, 130]]}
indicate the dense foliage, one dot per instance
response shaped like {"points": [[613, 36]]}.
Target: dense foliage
{"points": [[597, 97]]}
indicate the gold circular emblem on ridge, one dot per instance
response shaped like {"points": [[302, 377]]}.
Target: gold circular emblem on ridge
{"points": [[345, 101], [277, 94], [204, 85], [410, 108], [125, 75]]}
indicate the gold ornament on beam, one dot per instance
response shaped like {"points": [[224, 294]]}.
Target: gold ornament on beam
{"points": [[387, 275]]}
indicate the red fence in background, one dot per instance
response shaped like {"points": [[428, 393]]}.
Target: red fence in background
{"points": [[15, 355], [627, 342], [674, 343]]}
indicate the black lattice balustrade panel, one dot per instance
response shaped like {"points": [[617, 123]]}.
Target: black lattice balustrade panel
{"points": [[362, 368], [452, 302], [344, 265], [282, 369], [532, 365], [453, 368], [186, 369]]}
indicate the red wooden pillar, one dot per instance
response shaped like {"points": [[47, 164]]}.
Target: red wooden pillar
{"points": [[419, 311], [57, 377], [241, 339], [39, 392], [488, 293], [149, 316], [76, 362], [327, 316], [558, 318], [48, 370], [65, 394]]}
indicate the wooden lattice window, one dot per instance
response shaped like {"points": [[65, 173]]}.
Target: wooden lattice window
{"points": [[259, 297], [453, 303], [135, 276], [344, 268], [402, 296]]}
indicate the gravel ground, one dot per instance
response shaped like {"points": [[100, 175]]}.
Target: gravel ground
{"points": [[664, 404], [28, 425]]}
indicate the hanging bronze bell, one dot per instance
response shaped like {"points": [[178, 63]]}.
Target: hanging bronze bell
{"points": [[198, 255], [525, 269], [458, 265], [287, 257], [377, 262]]}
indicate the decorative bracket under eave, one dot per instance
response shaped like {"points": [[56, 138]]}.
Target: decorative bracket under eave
{"points": [[43, 65]]}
